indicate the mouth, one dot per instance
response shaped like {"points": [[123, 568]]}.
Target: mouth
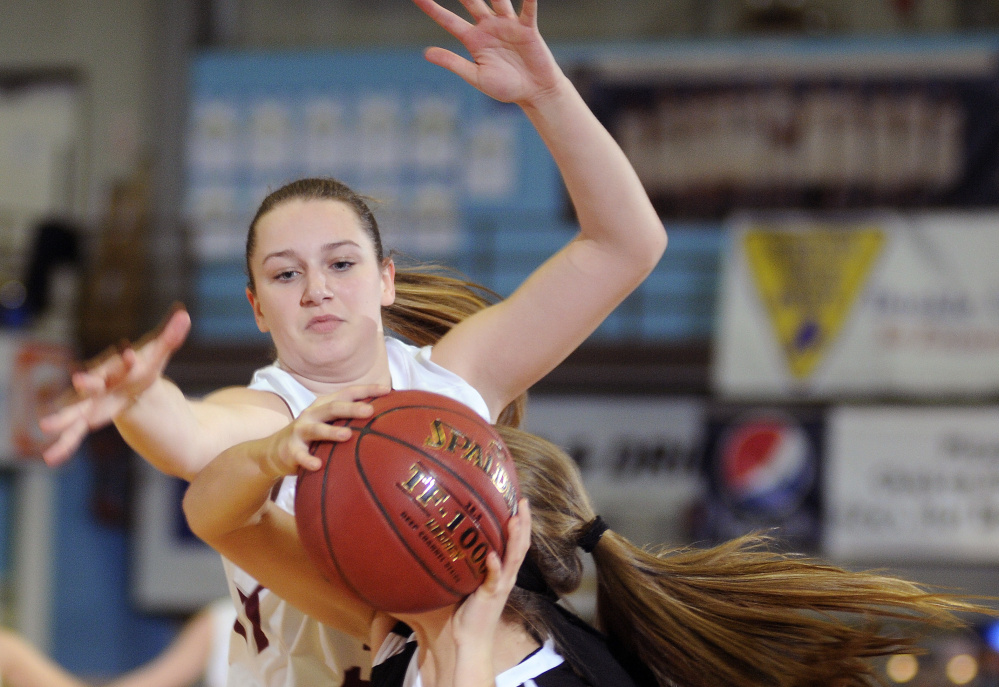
{"points": [[323, 323]]}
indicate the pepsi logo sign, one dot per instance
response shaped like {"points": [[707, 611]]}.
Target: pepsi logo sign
{"points": [[765, 466]]}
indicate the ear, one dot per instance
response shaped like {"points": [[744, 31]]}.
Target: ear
{"points": [[257, 314], [388, 282]]}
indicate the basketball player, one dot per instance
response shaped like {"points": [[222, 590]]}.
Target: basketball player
{"points": [[732, 615], [321, 286], [198, 655]]}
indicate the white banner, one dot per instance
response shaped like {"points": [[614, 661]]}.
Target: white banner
{"points": [[640, 457], [869, 306], [913, 484]]}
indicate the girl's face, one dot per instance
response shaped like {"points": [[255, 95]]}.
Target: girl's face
{"points": [[319, 289]]}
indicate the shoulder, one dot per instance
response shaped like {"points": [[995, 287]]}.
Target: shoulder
{"points": [[411, 367]]}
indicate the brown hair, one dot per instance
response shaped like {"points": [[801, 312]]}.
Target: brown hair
{"points": [[315, 189], [735, 614], [429, 299]]}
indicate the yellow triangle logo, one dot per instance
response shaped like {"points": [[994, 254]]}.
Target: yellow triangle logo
{"points": [[809, 281]]}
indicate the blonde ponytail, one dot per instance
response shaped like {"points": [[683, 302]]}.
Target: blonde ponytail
{"points": [[737, 614], [741, 614]]}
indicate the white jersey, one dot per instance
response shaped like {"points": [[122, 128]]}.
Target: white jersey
{"points": [[274, 644], [397, 664]]}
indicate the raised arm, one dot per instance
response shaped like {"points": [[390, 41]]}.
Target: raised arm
{"points": [[227, 506], [175, 434], [506, 348]]}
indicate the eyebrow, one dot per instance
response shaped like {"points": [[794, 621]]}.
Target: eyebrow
{"points": [[289, 253]]}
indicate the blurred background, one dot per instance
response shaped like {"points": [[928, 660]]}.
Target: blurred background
{"points": [[817, 355]]}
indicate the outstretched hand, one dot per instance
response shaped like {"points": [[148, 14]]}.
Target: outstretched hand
{"points": [[110, 384], [510, 61]]}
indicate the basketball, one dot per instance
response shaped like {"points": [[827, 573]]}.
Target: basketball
{"points": [[406, 511]]}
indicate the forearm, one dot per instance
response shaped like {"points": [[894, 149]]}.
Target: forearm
{"points": [[228, 493], [180, 435], [611, 204], [227, 506], [162, 426]]}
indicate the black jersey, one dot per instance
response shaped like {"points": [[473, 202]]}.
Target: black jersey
{"points": [[395, 665]]}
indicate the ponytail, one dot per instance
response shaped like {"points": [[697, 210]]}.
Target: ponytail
{"points": [[741, 614], [736, 614]]}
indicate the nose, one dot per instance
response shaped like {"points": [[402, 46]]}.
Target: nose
{"points": [[316, 290]]}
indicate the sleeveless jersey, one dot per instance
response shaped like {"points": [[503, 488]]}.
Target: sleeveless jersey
{"points": [[396, 665], [274, 644]]}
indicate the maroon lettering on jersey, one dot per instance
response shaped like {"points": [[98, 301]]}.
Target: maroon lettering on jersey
{"points": [[251, 607]]}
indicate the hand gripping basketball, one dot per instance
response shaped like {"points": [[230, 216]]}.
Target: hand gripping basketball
{"points": [[406, 511]]}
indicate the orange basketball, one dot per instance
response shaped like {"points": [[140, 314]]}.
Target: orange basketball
{"points": [[406, 511]]}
